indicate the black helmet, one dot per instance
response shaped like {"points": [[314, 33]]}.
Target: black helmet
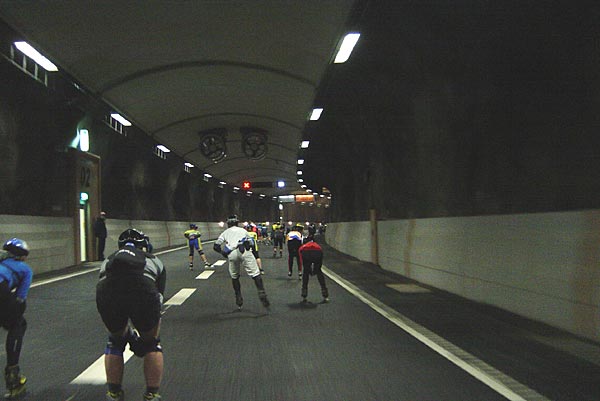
{"points": [[133, 236], [232, 220], [16, 246]]}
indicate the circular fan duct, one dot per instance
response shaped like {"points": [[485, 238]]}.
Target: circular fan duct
{"points": [[254, 143], [213, 145]]}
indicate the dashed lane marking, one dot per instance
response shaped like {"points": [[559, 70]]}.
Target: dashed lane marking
{"points": [[501, 383], [95, 373], [205, 275], [219, 262], [181, 296]]}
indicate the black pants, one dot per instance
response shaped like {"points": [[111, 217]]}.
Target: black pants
{"points": [[11, 318], [312, 261], [101, 245]]}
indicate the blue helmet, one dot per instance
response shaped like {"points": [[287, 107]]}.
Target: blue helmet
{"points": [[192, 225], [16, 246]]}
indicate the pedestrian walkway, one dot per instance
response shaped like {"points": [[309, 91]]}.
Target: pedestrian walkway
{"points": [[554, 363]]}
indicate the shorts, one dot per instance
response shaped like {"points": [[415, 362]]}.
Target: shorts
{"points": [[195, 244], [134, 297]]}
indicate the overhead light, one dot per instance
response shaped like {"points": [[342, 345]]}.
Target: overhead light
{"points": [[300, 161], [304, 144], [223, 183], [121, 119], [163, 148], [302, 186], [236, 188], [207, 175], [316, 114], [299, 172], [84, 140], [36, 56], [280, 184], [309, 190], [190, 165], [300, 179], [346, 48]]}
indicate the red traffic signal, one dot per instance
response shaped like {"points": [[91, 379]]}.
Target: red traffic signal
{"points": [[246, 185]]}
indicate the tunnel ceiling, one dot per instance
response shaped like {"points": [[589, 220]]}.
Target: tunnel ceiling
{"points": [[193, 73]]}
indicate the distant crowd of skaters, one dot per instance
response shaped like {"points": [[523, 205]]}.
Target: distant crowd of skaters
{"points": [[130, 293]]}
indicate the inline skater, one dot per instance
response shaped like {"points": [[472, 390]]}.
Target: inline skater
{"points": [[254, 236], [15, 280], [193, 237], [131, 288], [234, 243], [294, 241], [311, 257]]}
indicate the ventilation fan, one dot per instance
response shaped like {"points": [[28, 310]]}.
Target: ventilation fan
{"points": [[254, 145], [213, 146]]}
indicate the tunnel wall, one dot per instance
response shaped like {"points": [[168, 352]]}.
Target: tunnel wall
{"points": [[51, 239], [543, 266]]}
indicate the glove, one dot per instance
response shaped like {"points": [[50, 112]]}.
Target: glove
{"points": [[225, 251]]}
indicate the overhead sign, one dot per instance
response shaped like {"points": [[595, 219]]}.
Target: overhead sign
{"points": [[305, 198]]}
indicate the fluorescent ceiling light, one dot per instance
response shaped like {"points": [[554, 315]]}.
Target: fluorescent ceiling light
{"points": [[236, 188], [280, 184], [121, 119], [223, 183], [300, 180], [304, 144], [316, 114], [190, 165], [302, 186], [299, 172], [163, 148], [346, 48], [300, 161], [207, 175], [36, 56]]}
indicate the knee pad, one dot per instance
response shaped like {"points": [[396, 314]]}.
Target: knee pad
{"points": [[141, 347], [115, 345], [200, 252]]}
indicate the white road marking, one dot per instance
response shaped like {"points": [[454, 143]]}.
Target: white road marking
{"points": [[205, 275], [96, 374], [67, 276], [181, 296], [503, 384], [219, 262]]}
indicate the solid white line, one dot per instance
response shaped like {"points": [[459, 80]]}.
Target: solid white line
{"points": [[503, 384], [205, 275], [67, 276], [96, 374], [54, 279], [180, 297]]}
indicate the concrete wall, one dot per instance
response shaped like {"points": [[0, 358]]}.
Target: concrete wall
{"points": [[51, 239], [542, 266]]}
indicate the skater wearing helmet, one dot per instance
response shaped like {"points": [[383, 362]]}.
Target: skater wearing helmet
{"points": [[131, 287], [235, 244], [15, 280], [193, 237]]}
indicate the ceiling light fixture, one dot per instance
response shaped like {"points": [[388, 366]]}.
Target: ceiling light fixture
{"points": [[121, 119], [316, 114], [346, 48], [36, 56]]}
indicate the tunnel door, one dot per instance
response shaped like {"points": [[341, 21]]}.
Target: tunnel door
{"points": [[87, 203]]}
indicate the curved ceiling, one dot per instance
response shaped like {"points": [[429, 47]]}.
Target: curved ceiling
{"points": [[177, 70]]}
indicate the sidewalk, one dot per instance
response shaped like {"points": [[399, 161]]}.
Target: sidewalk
{"points": [[553, 362]]}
